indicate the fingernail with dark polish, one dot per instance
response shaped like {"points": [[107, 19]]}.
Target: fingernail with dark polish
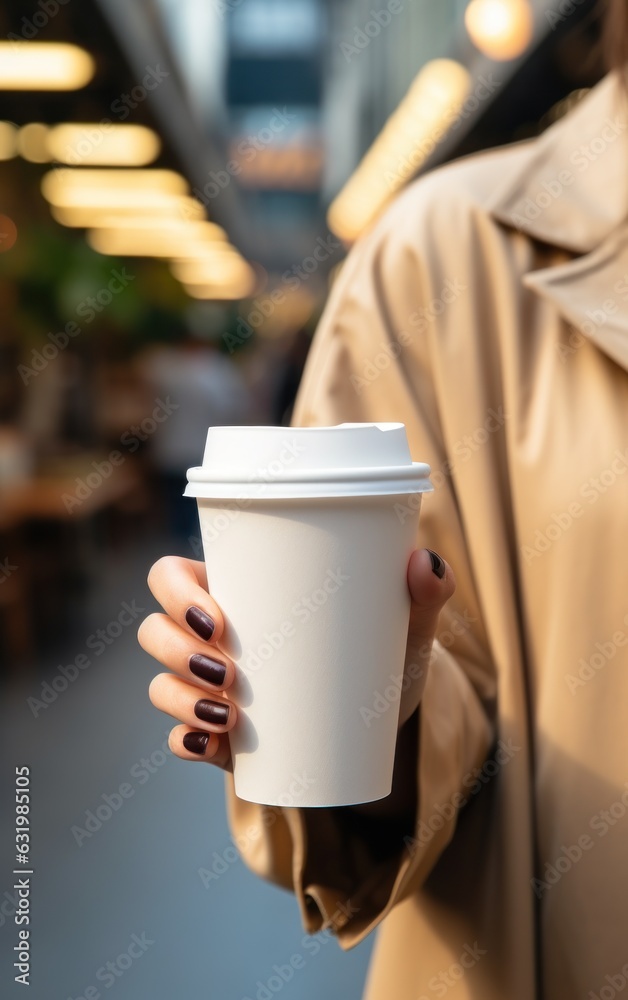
{"points": [[211, 711], [202, 624], [438, 564], [207, 669], [196, 742]]}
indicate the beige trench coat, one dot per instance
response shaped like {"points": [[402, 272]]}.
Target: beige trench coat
{"points": [[488, 311]]}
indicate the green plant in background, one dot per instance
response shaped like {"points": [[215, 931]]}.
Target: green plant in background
{"points": [[52, 278]]}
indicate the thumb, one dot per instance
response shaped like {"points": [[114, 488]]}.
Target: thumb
{"points": [[431, 583]]}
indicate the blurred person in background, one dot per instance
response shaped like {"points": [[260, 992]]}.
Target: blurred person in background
{"points": [[203, 387], [494, 293]]}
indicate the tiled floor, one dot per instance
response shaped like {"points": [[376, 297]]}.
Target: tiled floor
{"points": [[131, 879]]}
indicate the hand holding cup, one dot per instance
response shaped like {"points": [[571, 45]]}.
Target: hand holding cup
{"points": [[307, 534], [187, 643]]}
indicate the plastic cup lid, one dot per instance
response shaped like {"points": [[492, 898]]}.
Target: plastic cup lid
{"points": [[292, 462]]}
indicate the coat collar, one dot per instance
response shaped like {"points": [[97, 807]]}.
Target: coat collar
{"points": [[591, 292], [570, 190]]}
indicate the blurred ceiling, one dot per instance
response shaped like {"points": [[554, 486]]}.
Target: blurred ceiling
{"points": [[266, 108]]}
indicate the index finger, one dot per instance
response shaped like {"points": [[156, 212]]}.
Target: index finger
{"points": [[180, 586]]}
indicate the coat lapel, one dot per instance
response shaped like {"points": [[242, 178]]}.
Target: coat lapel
{"points": [[591, 292], [571, 186], [570, 190]]}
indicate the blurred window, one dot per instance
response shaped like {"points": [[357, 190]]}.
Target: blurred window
{"points": [[269, 27], [196, 30]]}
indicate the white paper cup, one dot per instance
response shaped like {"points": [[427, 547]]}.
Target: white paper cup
{"points": [[307, 534]]}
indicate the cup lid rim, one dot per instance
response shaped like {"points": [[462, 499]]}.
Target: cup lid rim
{"points": [[384, 481], [336, 465]]}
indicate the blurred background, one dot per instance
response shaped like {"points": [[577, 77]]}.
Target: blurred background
{"points": [[180, 182]]}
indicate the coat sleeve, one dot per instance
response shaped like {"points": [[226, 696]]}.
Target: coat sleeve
{"points": [[372, 360]]}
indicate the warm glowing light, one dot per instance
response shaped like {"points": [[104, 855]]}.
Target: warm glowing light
{"points": [[215, 271], [408, 138], [44, 66], [202, 230], [501, 29], [220, 290], [8, 141], [225, 266], [164, 207], [32, 142], [113, 189], [160, 238], [291, 313], [92, 144]]}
